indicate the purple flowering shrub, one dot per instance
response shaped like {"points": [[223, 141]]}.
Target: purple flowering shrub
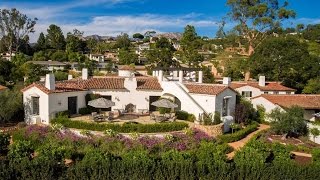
{"points": [[119, 144]]}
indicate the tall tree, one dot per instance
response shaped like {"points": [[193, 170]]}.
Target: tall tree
{"points": [[41, 42], [138, 36], [255, 18], [161, 55], [190, 43], [126, 57], [55, 38], [73, 41], [123, 41], [286, 60], [15, 26]]}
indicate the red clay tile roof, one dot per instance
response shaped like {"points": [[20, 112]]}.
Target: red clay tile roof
{"points": [[286, 101], [270, 86], [143, 83], [210, 89], [2, 88], [126, 67], [103, 83], [146, 83]]}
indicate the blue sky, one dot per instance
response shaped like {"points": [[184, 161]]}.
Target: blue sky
{"points": [[111, 17]]}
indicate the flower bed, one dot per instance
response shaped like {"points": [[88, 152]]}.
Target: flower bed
{"points": [[125, 128]]}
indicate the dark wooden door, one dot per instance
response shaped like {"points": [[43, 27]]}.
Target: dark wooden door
{"points": [[72, 105], [151, 100]]}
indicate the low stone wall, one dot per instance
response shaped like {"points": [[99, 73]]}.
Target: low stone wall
{"points": [[214, 130]]}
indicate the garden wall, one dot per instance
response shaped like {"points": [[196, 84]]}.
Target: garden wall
{"points": [[214, 130]]}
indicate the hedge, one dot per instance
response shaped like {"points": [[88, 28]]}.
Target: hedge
{"points": [[183, 115], [4, 142], [124, 128], [238, 135]]}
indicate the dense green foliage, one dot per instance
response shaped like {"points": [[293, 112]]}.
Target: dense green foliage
{"points": [[286, 60], [121, 158], [4, 142], [125, 128], [10, 105], [238, 134], [183, 115], [291, 121]]}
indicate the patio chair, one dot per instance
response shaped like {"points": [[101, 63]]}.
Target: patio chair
{"points": [[152, 117], [173, 119]]}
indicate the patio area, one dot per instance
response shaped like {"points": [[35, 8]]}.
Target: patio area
{"points": [[124, 118]]}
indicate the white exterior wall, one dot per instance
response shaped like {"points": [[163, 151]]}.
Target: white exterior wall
{"points": [[59, 101], [124, 97], [207, 102], [269, 106], [317, 139], [43, 105], [255, 91], [231, 102]]}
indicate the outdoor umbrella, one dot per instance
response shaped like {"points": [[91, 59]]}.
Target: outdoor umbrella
{"points": [[101, 103], [165, 103]]}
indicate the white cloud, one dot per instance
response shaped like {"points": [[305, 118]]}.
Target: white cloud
{"points": [[114, 25]]}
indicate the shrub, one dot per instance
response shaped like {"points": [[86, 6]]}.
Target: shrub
{"points": [[289, 122], [84, 111], [63, 114], [163, 110], [4, 142], [239, 134], [316, 155], [183, 115], [217, 118], [125, 128], [20, 150]]}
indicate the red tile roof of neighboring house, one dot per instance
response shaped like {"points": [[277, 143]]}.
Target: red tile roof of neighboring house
{"points": [[146, 83], [2, 88], [270, 86], [210, 89], [115, 83], [286, 101]]}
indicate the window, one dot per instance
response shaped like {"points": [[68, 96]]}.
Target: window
{"points": [[276, 92], [35, 105], [266, 92], [247, 93], [288, 92], [225, 107]]}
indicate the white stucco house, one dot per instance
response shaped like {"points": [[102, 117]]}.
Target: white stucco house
{"points": [[43, 101], [50, 65], [97, 57], [310, 103], [249, 89]]}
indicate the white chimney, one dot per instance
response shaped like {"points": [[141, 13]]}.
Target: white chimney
{"points": [[180, 76], [227, 81], [50, 82], [160, 75], [200, 77], [153, 73], [175, 74], [262, 81], [84, 73], [69, 76]]}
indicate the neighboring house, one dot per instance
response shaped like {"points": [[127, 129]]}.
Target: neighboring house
{"points": [[142, 47], [50, 65], [7, 56], [310, 103], [251, 89], [3, 88], [43, 101], [96, 57], [111, 55]]}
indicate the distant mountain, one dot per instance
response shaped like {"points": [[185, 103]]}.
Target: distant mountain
{"points": [[170, 35]]}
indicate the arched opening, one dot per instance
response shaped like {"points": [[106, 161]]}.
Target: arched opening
{"points": [[174, 99]]}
